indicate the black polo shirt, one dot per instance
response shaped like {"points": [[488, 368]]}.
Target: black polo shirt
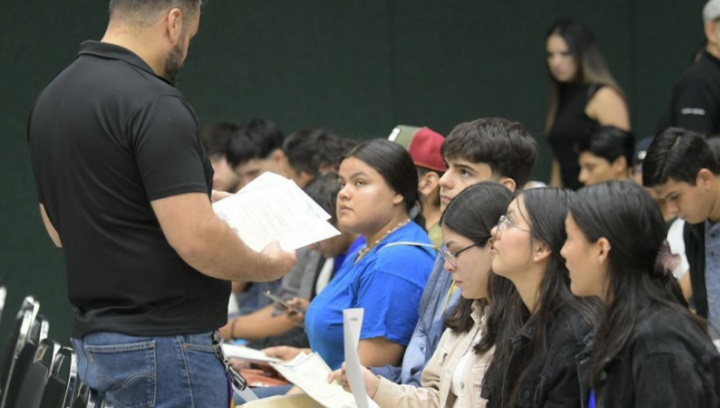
{"points": [[107, 137], [695, 103]]}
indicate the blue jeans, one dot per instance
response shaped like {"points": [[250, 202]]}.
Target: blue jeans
{"points": [[173, 371]]}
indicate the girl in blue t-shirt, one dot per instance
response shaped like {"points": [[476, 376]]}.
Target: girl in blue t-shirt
{"points": [[386, 276]]}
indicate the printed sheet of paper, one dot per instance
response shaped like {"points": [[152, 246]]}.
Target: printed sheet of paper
{"points": [[352, 323], [246, 353], [284, 401], [274, 207], [310, 372]]}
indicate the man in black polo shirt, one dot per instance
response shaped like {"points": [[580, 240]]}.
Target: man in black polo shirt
{"points": [[123, 184], [695, 103]]}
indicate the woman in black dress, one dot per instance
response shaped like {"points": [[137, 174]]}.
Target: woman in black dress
{"points": [[583, 97]]}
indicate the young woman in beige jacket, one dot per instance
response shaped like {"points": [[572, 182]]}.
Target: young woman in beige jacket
{"points": [[453, 377]]}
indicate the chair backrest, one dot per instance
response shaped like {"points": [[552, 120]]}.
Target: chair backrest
{"points": [[85, 398], [28, 385], [21, 333], [62, 384]]}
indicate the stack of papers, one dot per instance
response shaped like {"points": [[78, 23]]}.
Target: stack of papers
{"points": [[248, 354], [310, 372], [272, 207]]}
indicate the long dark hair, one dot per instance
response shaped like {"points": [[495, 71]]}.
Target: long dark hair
{"points": [[395, 165], [473, 213], [628, 217], [546, 209], [591, 66]]}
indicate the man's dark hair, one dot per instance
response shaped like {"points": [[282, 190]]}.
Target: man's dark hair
{"points": [[216, 136], [505, 146], [610, 143], [145, 11], [309, 149], [255, 139], [677, 154]]}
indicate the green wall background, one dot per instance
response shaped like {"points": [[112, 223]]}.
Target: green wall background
{"points": [[358, 67]]}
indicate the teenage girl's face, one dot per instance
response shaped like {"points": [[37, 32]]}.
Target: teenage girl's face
{"points": [[471, 267], [561, 63], [587, 276], [365, 202], [512, 246]]}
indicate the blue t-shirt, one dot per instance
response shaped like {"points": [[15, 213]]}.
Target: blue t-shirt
{"points": [[387, 282]]}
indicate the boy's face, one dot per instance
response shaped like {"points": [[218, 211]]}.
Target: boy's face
{"points": [[460, 174], [692, 203]]}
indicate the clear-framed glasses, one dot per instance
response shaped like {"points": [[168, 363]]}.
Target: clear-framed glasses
{"points": [[452, 256], [504, 223]]}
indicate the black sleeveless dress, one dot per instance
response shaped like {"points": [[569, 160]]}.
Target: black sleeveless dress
{"points": [[571, 125]]}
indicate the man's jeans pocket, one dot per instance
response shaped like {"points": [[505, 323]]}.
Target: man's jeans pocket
{"points": [[125, 372]]}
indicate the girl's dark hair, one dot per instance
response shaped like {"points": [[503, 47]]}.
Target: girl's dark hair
{"points": [[591, 66], [546, 210], [323, 189], [473, 213], [396, 167], [627, 216]]}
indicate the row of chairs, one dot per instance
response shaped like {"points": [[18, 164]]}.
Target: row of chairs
{"points": [[37, 372]]}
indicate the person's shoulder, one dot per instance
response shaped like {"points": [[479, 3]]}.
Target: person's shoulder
{"points": [[666, 330], [572, 325], [606, 95], [701, 73]]}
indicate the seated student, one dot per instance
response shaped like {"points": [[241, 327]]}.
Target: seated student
{"points": [[311, 152], [683, 171], [268, 326], [300, 288], [453, 376], [534, 364], [215, 137], [488, 149], [606, 155], [677, 261], [256, 147], [649, 350], [387, 274], [424, 145]]}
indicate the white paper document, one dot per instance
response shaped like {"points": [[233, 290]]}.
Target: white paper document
{"points": [[310, 372], [246, 353], [352, 323], [272, 207]]}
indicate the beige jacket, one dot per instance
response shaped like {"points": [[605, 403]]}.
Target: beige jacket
{"points": [[438, 373]]}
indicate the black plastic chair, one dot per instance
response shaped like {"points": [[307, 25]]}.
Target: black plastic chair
{"points": [[85, 398], [62, 383], [25, 330], [24, 369], [31, 383]]}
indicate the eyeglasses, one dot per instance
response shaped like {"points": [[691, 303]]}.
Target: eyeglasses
{"points": [[504, 223], [452, 257]]}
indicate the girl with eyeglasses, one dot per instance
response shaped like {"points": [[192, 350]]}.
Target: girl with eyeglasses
{"points": [[453, 376], [544, 328], [649, 350]]}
